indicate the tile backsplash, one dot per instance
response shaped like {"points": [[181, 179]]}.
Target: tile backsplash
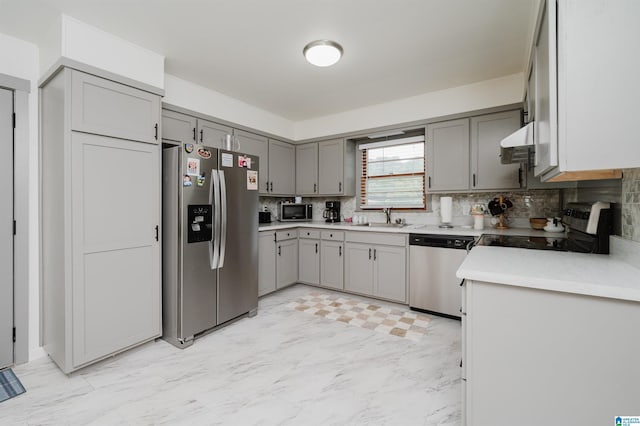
{"points": [[631, 204], [526, 204]]}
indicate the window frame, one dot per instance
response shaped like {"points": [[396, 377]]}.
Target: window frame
{"points": [[361, 169]]}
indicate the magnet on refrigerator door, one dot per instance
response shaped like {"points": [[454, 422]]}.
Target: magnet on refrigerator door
{"points": [[193, 166], [252, 180], [227, 159]]}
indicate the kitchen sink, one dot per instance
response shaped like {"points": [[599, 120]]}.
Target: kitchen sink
{"points": [[387, 225]]}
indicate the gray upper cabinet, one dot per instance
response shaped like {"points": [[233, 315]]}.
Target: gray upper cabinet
{"points": [[212, 134], [107, 108], [487, 173], [100, 233], [447, 152], [253, 144], [307, 169], [178, 128], [336, 167], [282, 168]]}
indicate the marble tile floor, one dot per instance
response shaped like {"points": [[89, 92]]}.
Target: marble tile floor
{"points": [[282, 367]]}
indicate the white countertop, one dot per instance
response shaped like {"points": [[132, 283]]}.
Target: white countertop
{"points": [[578, 273], [408, 229]]}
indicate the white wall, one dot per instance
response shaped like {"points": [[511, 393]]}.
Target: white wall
{"points": [[189, 95], [485, 94], [22, 62], [84, 43]]}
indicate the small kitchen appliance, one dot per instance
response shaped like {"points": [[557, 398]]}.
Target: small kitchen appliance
{"points": [[332, 211], [264, 217], [296, 212]]}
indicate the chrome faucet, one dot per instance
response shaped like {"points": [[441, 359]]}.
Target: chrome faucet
{"points": [[387, 212]]}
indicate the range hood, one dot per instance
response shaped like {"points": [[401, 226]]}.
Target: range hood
{"points": [[518, 146]]}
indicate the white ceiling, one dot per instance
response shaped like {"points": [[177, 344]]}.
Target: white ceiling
{"points": [[252, 49]]}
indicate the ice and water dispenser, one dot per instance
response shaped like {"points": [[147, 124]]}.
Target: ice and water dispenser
{"points": [[200, 220]]}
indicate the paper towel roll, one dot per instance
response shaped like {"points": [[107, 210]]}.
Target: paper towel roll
{"points": [[446, 207]]}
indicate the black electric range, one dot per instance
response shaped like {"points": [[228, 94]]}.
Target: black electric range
{"points": [[589, 227], [517, 241]]}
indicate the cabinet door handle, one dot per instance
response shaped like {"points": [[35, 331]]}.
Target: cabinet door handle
{"points": [[279, 250], [156, 126], [375, 254], [340, 251], [520, 177], [267, 186], [429, 181], [316, 247], [201, 135], [315, 186], [339, 186], [369, 254], [194, 133], [157, 233], [461, 284], [474, 180], [271, 186]]}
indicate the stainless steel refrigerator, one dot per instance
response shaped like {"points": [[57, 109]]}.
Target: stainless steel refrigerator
{"points": [[210, 240]]}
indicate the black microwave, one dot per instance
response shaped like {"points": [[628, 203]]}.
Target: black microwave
{"points": [[292, 212]]}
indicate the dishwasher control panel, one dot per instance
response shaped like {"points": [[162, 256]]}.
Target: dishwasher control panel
{"points": [[445, 241]]}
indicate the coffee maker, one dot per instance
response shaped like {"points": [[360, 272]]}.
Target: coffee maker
{"points": [[332, 211]]}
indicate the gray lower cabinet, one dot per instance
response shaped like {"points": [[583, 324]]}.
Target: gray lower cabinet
{"points": [[577, 361], [286, 263], [332, 264], [309, 261], [447, 151], [389, 272], [358, 264], [266, 262], [487, 173], [250, 143], [282, 168], [376, 265], [101, 290], [307, 169]]}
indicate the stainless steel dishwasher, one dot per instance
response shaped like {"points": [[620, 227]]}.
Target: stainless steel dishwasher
{"points": [[433, 262]]}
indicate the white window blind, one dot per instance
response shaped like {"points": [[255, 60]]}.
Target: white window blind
{"points": [[393, 174]]}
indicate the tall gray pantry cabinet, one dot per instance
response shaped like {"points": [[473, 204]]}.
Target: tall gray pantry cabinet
{"points": [[101, 181]]}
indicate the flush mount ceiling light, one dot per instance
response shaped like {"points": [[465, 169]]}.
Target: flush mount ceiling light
{"points": [[322, 53]]}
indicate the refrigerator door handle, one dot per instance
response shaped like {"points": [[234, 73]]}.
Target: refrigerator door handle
{"points": [[223, 215], [214, 200]]}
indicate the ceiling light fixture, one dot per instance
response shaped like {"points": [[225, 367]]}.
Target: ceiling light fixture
{"points": [[322, 53]]}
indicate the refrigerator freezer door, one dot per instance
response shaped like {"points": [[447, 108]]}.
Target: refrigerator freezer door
{"points": [[198, 294], [238, 275]]}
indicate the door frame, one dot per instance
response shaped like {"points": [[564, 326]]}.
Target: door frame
{"points": [[21, 207]]}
